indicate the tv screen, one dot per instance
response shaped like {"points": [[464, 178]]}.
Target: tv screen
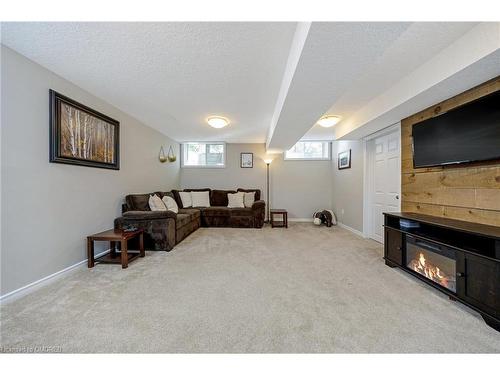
{"points": [[465, 134]]}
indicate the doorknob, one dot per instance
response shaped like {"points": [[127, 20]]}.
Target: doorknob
{"points": [[397, 196]]}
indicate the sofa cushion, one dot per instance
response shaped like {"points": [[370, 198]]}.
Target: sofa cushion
{"points": [[219, 197], [193, 213], [203, 189], [241, 211], [183, 219], [257, 192], [215, 211], [148, 215], [177, 197], [241, 221], [186, 230], [138, 202]]}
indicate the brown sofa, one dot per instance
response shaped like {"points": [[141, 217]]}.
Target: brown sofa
{"points": [[164, 229]]}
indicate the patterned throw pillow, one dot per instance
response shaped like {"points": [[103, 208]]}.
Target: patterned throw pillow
{"points": [[186, 199], [156, 204], [248, 199], [235, 200], [171, 204], [200, 198]]}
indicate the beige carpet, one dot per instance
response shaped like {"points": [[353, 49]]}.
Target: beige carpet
{"points": [[305, 289]]}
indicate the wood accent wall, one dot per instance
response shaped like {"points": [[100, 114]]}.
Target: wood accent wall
{"points": [[469, 192]]}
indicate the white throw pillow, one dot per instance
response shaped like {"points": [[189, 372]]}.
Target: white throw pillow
{"points": [[171, 204], [186, 199], [235, 200], [200, 198], [156, 204], [249, 198]]}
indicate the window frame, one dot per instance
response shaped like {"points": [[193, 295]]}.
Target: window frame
{"points": [[328, 158], [205, 166]]}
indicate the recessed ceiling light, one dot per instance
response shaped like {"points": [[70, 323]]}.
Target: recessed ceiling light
{"points": [[217, 122], [328, 121]]}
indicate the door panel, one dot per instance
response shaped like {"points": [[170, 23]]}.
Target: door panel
{"points": [[385, 169], [377, 212]]}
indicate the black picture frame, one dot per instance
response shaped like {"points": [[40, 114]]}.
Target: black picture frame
{"points": [[241, 160], [111, 141], [344, 159]]}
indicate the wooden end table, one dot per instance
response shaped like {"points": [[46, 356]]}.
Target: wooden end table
{"points": [[279, 212], [115, 237]]}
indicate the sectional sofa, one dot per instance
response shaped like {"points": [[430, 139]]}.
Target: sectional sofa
{"points": [[164, 229]]}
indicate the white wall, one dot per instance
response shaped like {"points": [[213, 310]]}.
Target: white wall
{"points": [[231, 177], [48, 209], [301, 187], [348, 185]]}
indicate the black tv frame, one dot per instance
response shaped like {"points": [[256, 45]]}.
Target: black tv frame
{"points": [[452, 162]]}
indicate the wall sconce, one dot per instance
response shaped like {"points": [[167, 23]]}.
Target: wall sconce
{"points": [[161, 156], [170, 157]]}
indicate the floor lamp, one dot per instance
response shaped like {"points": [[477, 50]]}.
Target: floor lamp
{"points": [[268, 162]]}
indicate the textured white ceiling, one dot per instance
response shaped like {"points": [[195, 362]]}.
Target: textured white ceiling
{"points": [[169, 75], [415, 44], [172, 76], [334, 56], [402, 47], [467, 62]]}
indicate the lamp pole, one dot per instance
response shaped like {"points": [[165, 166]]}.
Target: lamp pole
{"points": [[268, 199]]}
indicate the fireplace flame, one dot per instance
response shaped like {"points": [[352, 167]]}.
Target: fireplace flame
{"points": [[430, 271]]}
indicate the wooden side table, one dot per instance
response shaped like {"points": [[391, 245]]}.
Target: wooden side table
{"points": [[279, 212], [115, 237]]}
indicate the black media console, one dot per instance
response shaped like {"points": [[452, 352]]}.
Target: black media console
{"points": [[459, 258]]}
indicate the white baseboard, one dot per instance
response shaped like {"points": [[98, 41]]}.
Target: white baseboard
{"points": [[27, 289], [341, 225], [300, 219], [355, 231]]}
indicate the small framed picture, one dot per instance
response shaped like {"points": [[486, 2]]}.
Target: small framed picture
{"points": [[246, 160], [345, 159]]}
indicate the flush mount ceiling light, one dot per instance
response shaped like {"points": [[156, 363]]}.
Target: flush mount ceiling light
{"points": [[328, 121], [217, 122]]}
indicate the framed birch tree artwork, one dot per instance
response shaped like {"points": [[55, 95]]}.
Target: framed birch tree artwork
{"points": [[80, 135]]}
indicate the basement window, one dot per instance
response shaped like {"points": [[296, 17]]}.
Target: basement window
{"points": [[203, 155], [309, 150]]}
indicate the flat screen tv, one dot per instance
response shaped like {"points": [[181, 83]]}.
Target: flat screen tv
{"points": [[465, 134]]}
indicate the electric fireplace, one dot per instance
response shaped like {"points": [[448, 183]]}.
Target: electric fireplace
{"points": [[436, 262], [461, 259]]}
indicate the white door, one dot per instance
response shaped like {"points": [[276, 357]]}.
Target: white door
{"points": [[385, 179]]}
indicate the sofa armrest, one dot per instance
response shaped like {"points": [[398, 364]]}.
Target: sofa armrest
{"points": [[124, 207], [259, 205], [149, 215], [159, 227], [259, 213]]}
